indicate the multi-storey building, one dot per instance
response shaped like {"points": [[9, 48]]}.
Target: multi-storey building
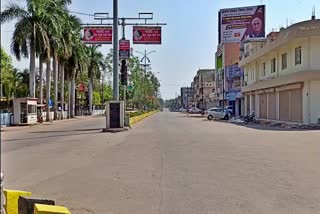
{"points": [[186, 97], [282, 74], [204, 88]]}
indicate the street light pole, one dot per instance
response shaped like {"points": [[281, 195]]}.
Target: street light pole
{"points": [[115, 52]]}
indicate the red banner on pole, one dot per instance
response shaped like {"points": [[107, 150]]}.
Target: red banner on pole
{"points": [[124, 49], [146, 35], [97, 35]]}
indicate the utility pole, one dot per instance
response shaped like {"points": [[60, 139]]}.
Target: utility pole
{"points": [[115, 52]]}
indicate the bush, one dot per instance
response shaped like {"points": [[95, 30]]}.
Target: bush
{"points": [[136, 113]]}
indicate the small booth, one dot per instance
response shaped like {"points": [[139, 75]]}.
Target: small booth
{"points": [[25, 111]]}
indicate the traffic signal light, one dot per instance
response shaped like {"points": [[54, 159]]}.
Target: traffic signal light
{"points": [[124, 72]]}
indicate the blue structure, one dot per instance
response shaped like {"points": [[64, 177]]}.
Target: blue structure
{"points": [[234, 74], [6, 119]]}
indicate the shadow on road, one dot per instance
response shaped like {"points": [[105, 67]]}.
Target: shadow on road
{"points": [[67, 133], [75, 130], [270, 128]]}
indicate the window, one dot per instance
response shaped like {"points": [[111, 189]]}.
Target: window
{"points": [[263, 69], [252, 74], [284, 61], [298, 55], [32, 109], [273, 65]]}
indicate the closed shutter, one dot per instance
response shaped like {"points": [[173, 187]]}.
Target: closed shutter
{"points": [[296, 105], [272, 110], [248, 104], [263, 106], [284, 105]]}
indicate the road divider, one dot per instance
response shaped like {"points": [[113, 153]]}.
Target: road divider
{"points": [[134, 120]]}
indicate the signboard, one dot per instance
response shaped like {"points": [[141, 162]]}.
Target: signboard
{"points": [[239, 23], [124, 49], [81, 87], [97, 35], [146, 35]]}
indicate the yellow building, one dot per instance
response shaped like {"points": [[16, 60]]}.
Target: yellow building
{"points": [[282, 74]]}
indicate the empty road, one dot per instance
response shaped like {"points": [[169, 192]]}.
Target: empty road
{"points": [[167, 164]]}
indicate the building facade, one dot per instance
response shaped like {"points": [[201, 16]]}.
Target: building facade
{"points": [[203, 87], [186, 97], [235, 99], [282, 74], [228, 76]]}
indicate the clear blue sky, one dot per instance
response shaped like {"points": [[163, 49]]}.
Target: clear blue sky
{"points": [[190, 38]]}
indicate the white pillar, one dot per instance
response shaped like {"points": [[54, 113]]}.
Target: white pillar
{"points": [[277, 106], [257, 106], [306, 102]]}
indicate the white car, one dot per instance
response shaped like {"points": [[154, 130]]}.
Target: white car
{"points": [[217, 113], [194, 110], [182, 110]]}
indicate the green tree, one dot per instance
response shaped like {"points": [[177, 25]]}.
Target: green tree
{"points": [[95, 66], [96, 98], [29, 29]]}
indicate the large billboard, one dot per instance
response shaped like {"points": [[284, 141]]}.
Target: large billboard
{"points": [[97, 35], [146, 35], [236, 24]]}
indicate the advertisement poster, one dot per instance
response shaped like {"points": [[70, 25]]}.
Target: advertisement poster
{"points": [[146, 35], [240, 23], [124, 49], [97, 35]]}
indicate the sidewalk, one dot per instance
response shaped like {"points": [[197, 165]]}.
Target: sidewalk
{"points": [[77, 118]]}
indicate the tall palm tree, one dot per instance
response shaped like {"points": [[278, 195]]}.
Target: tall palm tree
{"points": [[95, 66], [77, 62], [29, 25], [71, 31]]}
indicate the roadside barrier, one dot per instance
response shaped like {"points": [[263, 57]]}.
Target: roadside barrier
{"points": [[136, 119], [20, 202]]}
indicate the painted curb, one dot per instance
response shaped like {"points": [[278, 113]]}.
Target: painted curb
{"points": [[136, 119]]}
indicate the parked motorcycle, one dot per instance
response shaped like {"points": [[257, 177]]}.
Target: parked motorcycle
{"points": [[250, 118]]}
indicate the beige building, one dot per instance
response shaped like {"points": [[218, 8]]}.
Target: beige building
{"points": [[282, 74], [204, 88]]}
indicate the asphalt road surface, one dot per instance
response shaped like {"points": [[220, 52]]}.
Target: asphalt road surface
{"points": [[167, 164]]}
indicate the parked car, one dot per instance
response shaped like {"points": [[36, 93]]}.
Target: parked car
{"points": [[217, 113], [182, 110], [194, 110]]}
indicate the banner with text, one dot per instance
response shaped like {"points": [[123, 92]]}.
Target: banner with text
{"points": [[146, 35], [240, 23], [124, 49], [97, 35]]}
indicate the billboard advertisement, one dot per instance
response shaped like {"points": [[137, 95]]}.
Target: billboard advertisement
{"points": [[236, 24], [97, 35], [146, 35], [124, 49]]}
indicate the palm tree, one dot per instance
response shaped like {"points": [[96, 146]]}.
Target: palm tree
{"points": [[29, 25], [77, 62], [71, 30], [95, 66]]}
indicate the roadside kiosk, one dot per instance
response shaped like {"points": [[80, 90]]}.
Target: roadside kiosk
{"points": [[25, 111]]}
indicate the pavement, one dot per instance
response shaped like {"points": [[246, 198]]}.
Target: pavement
{"points": [[168, 163]]}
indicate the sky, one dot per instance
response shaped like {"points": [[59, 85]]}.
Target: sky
{"points": [[190, 38]]}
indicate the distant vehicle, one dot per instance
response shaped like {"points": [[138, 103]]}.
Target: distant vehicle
{"points": [[194, 110], [182, 110], [217, 113]]}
